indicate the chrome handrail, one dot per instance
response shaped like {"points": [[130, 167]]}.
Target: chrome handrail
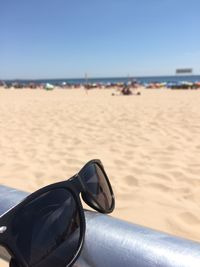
{"points": [[111, 242]]}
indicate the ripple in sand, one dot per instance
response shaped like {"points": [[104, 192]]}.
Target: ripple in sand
{"points": [[136, 170], [160, 187], [54, 161], [160, 176], [192, 171], [168, 166], [171, 148]]}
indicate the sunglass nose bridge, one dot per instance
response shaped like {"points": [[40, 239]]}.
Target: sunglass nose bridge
{"points": [[77, 183]]}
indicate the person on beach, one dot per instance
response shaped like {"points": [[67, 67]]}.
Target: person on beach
{"points": [[126, 90]]}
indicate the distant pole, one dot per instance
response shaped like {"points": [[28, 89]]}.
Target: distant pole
{"points": [[86, 82], [86, 78]]}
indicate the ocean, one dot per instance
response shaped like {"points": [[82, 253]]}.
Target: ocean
{"points": [[142, 80]]}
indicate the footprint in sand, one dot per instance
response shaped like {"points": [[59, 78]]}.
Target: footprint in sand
{"points": [[184, 224], [120, 162], [74, 162], [171, 148], [38, 174], [136, 170], [20, 167], [131, 180], [189, 218]]}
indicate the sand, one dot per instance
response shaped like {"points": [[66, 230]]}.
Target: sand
{"points": [[149, 145]]}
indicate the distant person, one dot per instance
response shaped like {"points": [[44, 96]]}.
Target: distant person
{"points": [[126, 90]]}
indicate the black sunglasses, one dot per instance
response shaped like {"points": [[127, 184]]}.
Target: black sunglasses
{"points": [[47, 228]]}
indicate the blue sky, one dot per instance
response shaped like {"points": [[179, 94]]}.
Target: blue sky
{"points": [[68, 38]]}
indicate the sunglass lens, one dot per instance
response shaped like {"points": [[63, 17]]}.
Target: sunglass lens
{"points": [[13, 263], [98, 186], [48, 229]]}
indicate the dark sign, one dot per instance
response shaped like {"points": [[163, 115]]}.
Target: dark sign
{"points": [[183, 71]]}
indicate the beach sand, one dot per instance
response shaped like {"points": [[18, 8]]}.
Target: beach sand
{"points": [[149, 145]]}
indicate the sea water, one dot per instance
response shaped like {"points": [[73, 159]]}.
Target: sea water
{"points": [[143, 80]]}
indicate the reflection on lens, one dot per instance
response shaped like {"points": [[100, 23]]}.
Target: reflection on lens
{"points": [[47, 230], [97, 185]]}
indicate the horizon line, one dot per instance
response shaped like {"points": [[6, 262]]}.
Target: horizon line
{"points": [[93, 78]]}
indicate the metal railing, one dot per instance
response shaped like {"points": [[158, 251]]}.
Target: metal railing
{"points": [[111, 242]]}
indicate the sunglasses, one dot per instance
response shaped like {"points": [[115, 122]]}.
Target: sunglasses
{"points": [[47, 228]]}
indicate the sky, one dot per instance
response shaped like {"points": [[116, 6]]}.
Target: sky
{"points": [[103, 38]]}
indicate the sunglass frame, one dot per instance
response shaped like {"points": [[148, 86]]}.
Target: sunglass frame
{"points": [[75, 185]]}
